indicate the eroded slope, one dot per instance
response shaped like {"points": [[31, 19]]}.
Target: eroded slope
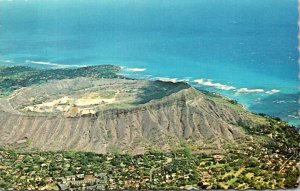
{"points": [[99, 114]]}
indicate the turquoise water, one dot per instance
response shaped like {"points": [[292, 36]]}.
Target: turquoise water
{"points": [[246, 50]]}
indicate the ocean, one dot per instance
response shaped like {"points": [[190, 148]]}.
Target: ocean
{"points": [[245, 50]]}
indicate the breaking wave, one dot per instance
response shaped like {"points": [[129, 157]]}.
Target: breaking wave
{"points": [[208, 82], [53, 64], [247, 90], [136, 69]]}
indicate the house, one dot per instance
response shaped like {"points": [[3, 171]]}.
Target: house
{"points": [[218, 157], [100, 175], [71, 178], [62, 186], [80, 176]]}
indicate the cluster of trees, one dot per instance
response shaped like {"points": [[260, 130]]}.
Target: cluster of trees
{"points": [[154, 169]]}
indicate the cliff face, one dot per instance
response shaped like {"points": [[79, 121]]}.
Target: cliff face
{"points": [[176, 112]]}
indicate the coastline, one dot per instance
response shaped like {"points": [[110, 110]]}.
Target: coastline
{"points": [[186, 134], [252, 98], [201, 84]]}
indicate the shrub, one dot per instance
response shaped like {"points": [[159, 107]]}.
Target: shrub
{"points": [[233, 102], [277, 119], [115, 150], [262, 114]]}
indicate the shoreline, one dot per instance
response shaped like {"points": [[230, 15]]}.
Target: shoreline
{"points": [[245, 96], [241, 94]]}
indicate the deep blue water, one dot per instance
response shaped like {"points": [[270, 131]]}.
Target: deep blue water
{"points": [[244, 49]]}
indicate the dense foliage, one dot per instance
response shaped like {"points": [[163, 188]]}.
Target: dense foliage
{"points": [[240, 168]]}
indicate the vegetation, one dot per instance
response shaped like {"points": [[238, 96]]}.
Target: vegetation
{"points": [[250, 166], [267, 159], [280, 135], [13, 78], [233, 102]]}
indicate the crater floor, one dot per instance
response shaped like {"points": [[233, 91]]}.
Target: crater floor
{"points": [[83, 96]]}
